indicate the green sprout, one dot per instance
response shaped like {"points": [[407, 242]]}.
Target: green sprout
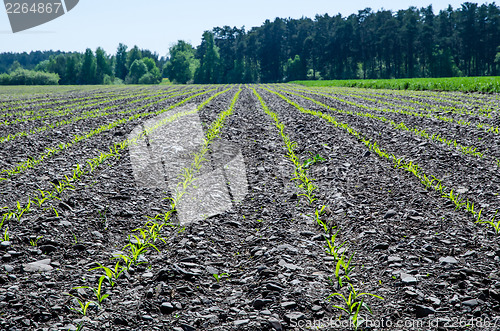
{"points": [[34, 243], [353, 304], [331, 248], [316, 158], [346, 267], [98, 291], [6, 234], [83, 305], [218, 277]]}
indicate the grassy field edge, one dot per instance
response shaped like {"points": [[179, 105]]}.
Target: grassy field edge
{"points": [[464, 84]]}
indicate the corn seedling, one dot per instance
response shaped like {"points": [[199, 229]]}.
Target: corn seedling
{"points": [[136, 247], [323, 224], [98, 291], [6, 234], [126, 260], [331, 248], [40, 199], [84, 306], [55, 211], [4, 217], [353, 303], [346, 267], [147, 237], [34, 242], [75, 239], [494, 225], [316, 158], [111, 274], [153, 229], [218, 277]]}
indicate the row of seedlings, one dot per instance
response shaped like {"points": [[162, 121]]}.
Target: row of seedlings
{"points": [[468, 150], [428, 180], [150, 236], [42, 198], [102, 112], [352, 299], [32, 162]]}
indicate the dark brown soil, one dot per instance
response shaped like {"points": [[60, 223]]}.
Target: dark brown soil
{"points": [[434, 267]]}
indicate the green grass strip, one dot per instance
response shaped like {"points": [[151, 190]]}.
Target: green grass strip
{"points": [[464, 84]]}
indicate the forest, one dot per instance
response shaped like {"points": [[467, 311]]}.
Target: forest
{"points": [[411, 43]]}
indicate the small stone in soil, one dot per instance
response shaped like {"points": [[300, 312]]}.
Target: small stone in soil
{"points": [[288, 305], [295, 316], [260, 303], [435, 301], [408, 279], [48, 248], [382, 246], [167, 308], [423, 311], [241, 322], [390, 213], [471, 303], [187, 327], [448, 260], [274, 287], [275, 324], [42, 266], [5, 245], [121, 321]]}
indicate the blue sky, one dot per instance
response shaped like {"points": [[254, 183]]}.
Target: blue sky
{"points": [[157, 24]]}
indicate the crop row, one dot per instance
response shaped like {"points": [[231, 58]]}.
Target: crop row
{"points": [[35, 161], [483, 103], [142, 239], [101, 112], [464, 148], [422, 133], [80, 104], [69, 110], [352, 299], [43, 197], [423, 107], [428, 180], [480, 126], [41, 102], [188, 174]]}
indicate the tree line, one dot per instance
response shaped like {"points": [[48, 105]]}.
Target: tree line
{"points": [[404, 44], [384, 44], [134, 66]]}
